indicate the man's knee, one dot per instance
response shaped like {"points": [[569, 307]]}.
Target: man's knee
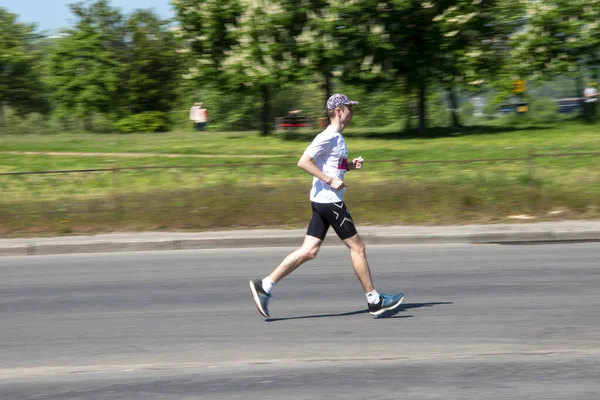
{"points": [[361, 249], [309, 253], [310, 247], [355, 244]]}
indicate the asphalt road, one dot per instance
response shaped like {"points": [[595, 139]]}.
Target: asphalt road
{"points": [[478, 321]]}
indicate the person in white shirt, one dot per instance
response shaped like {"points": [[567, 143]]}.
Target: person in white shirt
{"points": [[326, 159], [590, 95], [199, 116]]}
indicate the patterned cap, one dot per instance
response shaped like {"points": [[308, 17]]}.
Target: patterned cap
{"points": [[338, 100]]}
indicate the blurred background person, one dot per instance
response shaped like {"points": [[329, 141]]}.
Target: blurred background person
{"points": [[199, 116], [590, 95]]}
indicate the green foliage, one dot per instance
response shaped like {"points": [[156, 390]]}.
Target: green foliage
{"points": [[20, 74], [84, 70], [560, 36], [543, 109], [49, 124], [257, 47], [207, 27], [231, 111], [466, 113], [450, 43], [319, 48], [153, 121], [28, 124], [376, 108], [473, 41], [153, 66], [250, 61], [113, 65]]}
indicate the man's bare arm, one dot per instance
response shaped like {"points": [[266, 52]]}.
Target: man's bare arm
{"points": [[306, 164]]}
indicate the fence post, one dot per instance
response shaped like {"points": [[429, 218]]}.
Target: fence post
{"points": [[531, 169], [398, 165], [258, 173], [117, 188], [532, 183], [481, 174]]}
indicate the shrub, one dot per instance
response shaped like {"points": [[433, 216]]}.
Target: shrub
{"points": [[153, 121], [31, 123], [543, 109]]}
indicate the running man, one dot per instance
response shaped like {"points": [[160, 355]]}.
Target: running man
{"points": [[326, 159]]}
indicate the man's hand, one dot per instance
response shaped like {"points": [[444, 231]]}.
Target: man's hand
{"points": [[337, 184], [358, 163]]}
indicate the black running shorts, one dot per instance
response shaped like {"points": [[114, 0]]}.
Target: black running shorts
{"points": [[331, 214]]}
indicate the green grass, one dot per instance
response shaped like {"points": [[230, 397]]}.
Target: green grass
{"points": [[204, 196], [246, 143], [253, 206], [373, 144]]}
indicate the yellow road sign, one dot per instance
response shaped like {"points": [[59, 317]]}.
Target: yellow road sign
{"points": [[519, 86]]}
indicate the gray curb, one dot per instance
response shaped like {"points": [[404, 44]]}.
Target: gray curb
{"points": [[476, 234]]}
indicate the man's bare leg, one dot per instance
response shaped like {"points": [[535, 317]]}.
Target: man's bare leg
{"points": [[378, 302], [261, 290], [359, 262], [306, 252]]}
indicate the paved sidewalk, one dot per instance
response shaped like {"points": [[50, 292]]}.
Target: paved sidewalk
{"points": [[142, 241]]}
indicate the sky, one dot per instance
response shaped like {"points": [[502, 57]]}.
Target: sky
{"points": [[51, 15]]}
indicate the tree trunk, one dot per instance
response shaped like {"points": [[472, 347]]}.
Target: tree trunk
{"points": [[266, 112], [326, 86], [2, 105], [579, 91], [88, 121], [422, 107], [453, 107], [408, 107]]}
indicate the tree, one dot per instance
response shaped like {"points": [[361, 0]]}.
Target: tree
{"points": [[558, 37], [84, 66], [115, 65], [20, 74], [318, 47], [263, 58], [475, 44], [422, 42], [152, 66], [247, 46], [206, 26]]}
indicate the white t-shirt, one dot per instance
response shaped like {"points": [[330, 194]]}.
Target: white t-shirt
{"points": [[328, 150], [198, 114], [590, 91]]}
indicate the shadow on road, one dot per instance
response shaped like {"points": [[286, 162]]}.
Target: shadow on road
{"points": [[408, 306], [318, 316], [390, 314]]}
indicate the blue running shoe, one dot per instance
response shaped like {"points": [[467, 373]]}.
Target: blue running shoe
{"points": [[261, 298], [386, 302]]}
